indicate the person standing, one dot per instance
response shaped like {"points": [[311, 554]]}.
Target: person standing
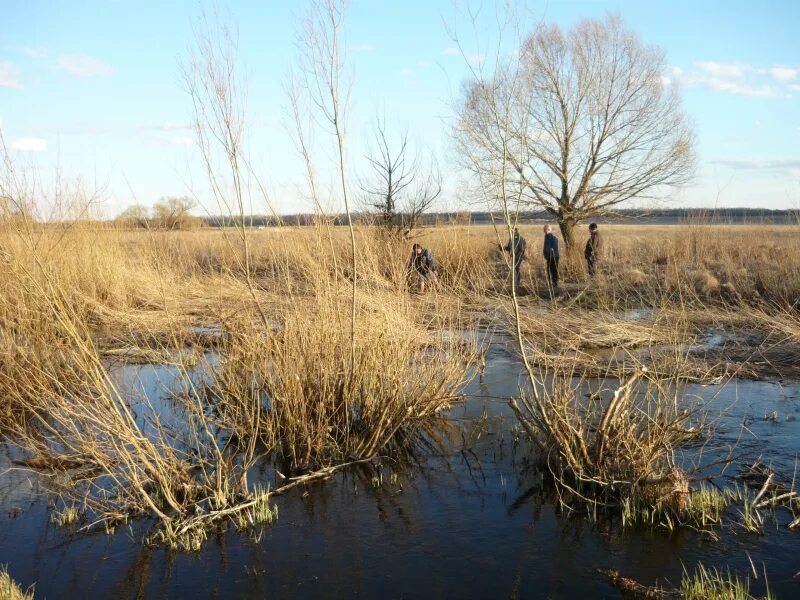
{"points": [[422, 265], [551, 256], [516, 246], [593, 251]]}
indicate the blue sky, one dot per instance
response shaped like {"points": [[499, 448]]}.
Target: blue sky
{"points": [[93, 87]]}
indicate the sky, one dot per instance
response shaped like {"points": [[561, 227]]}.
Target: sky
{"points": [[92, 89]]}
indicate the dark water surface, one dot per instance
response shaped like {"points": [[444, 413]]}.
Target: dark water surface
{"points": [[471, 521]]}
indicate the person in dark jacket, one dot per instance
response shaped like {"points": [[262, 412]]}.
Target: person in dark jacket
{"points": [[551, 256], [422, 266], [516, 246], [593, 252]]}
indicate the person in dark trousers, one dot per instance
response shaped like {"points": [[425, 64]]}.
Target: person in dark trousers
{"points": [[593, 251], [516, 246], [422, 266], [551, 256]]}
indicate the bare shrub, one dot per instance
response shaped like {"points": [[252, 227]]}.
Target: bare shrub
{"points": [[315, 413], [614, 451]]}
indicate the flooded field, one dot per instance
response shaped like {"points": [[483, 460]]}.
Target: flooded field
{"points": [[468, 516]]}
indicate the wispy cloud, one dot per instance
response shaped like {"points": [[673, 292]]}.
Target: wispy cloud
{"points": [[451, 52], [423, 64], [173, 126], [38, 53], [747, 164], [182, 141], [738, 78], [783, 74], [362, 47], [722, 70], [82, 65], [406, 72], [29, 144], [9, 75]]}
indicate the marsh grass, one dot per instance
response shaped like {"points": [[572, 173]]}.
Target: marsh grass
{"points": [[9, 590], [710, 584], [318, 409], [284, 393], [705, 583], [613, 452], [69, 515], [84, 294]]}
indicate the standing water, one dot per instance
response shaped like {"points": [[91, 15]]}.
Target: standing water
{"points": [[470, 518]]}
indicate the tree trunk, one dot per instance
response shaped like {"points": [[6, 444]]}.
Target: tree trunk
{"points": [[567, 227]]}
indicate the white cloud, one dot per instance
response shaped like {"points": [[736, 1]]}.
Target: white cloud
{"points": [[783, 74], [362, 48], [81, 65], [746, 164], [9, 75], [451, 52], [423, 64], [739, 79], [182, 141], [741, 89], [29, 144], [666, 81], [722, 70], [35, 52], [173, 126], [406, 72]]}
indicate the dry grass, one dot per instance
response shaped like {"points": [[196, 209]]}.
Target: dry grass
{"points": [[613, 452], [285, 393], [318, 409], [9, 590], [286, 390]]}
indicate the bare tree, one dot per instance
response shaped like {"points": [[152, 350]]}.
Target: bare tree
{"points": [[134, 216], [213, 79], [400, 187], [172, 212], [592, 121], [323, 61]]}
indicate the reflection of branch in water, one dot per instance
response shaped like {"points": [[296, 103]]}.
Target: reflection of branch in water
{"points": [[522, 499], [469, 468]]}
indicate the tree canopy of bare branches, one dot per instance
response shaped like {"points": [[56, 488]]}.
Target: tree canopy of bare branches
{"points": [[173, 213], [400, 185], [589, 121]]}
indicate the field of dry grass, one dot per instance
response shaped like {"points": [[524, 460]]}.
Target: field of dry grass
{"points": [[297, 383]]}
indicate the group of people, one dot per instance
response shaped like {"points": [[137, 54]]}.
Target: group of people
{"points": [[423, 267]]}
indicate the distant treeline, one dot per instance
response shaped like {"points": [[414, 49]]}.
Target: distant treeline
{"points": [[656, 216]]}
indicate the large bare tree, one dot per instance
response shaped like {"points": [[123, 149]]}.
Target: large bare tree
{"points": [[593, 122], [400, 184]]}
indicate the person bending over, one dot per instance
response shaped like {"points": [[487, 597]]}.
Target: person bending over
{"points": [[421, 267]]}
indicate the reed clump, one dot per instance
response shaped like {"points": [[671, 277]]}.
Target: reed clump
{"points": [[613, 454], [317, 408], [706, 583], [711, 584]]}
